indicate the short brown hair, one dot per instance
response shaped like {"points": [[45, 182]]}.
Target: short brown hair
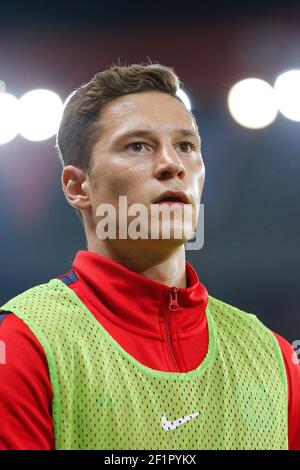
{"points": [[80, 125], [80, 122]]}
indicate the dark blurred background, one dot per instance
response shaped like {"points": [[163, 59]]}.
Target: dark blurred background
{"points": [[250, 256]]}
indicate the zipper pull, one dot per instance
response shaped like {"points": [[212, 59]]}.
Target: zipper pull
{"points": [[173, 304]]}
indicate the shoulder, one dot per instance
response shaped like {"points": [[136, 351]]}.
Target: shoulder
{"points": [[37, 298], [21, 345], [33, 314], [251, 331], [51, 286], [226, 312]]}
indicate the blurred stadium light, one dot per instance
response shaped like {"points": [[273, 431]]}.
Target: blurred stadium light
{"points": [[252, 103], [40, 112], [2, 86], [36, 116], [287, 90], [8, 117]]}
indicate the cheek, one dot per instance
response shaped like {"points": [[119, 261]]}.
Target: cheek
{"points": [[125, 176], [198, 175], [116, 179]]}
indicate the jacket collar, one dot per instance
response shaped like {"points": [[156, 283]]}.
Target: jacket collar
{"points": [[134, 301]]}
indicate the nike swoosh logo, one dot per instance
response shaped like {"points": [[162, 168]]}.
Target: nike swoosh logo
{"points": [[171, 425]]}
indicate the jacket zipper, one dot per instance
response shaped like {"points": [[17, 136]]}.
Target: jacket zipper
{"points": [[172, 306]]}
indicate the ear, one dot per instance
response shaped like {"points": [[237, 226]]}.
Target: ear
{"points": [[75, 186]]}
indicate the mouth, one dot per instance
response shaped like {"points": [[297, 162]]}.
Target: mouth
{"points": [[170, 202], [172, 197]]}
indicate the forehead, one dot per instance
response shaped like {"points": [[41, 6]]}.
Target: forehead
{"points": [[154, 111]]}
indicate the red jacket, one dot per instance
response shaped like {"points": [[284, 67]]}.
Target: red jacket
{"points": [[135, 311]]}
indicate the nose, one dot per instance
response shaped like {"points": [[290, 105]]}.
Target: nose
{"points": [[168, 164]]}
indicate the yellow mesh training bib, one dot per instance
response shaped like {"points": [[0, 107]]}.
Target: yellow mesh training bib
{"points": [[103, 398]]}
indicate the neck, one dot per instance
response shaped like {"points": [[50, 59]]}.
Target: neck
{"points": [[159, 262]]}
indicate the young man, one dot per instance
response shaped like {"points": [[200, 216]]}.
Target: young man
{"points": [[127, 350]]}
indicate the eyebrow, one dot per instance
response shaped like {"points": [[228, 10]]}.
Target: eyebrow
{"points": [[147, 133]]}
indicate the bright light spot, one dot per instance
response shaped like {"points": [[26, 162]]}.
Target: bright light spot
{"points": [[252, 103], [69, 97], [40, 113], [184, 97], [287, 90], [2, 86], [8, 117]]}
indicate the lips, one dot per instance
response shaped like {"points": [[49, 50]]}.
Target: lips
{"points": [[170, 202], [172, 197]]}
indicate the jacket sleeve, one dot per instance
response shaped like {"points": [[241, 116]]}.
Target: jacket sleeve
{"points": [[292, 368], [25, 389]]}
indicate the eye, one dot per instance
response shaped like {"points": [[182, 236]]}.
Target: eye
{"points": [[136, 146], [186, 147]]}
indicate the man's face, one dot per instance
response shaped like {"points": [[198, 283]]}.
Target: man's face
{"points": [[148, 144]]}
